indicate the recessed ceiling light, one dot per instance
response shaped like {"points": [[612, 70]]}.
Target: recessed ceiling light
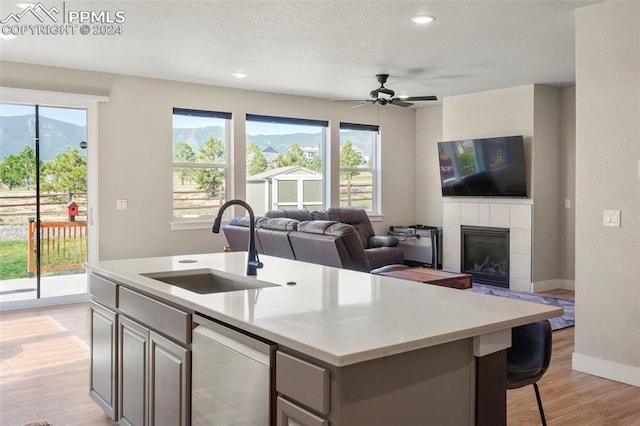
{"points": [[422, 19], [239, 74]]}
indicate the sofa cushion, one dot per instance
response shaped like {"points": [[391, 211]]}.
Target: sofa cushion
{"points": [[242, 221], [383, 241], [278, 224], [298, 214], [329, 243], [355, 217]]}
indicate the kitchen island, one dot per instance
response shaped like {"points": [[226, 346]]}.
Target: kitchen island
{"points": [[380, 350]]}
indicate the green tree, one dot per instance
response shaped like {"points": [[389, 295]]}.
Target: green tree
{"points": [[66, 172], [467, 163], [315, 163], [256, 163], [18, 170], [210, 179], [294, 156], [349, 158], [183, 153]]}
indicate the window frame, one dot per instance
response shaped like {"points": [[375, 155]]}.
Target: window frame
{"points": [[324, 150], [202, 221], [375, 169]]}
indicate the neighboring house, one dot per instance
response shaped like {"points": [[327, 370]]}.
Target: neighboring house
{"points": [[292, 187], [270, 154], [310, 152]]}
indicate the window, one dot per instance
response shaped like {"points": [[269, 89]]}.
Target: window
{"points": [[200, 162], [359, 170], [285, 163]]}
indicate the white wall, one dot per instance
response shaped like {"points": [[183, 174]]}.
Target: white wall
{"points": [[607, 339], [568, 185], [545, 116], [545, 188], [134, 151], [428, 193]]}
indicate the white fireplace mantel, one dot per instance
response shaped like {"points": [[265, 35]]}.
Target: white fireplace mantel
{"points": [[516, 215]]}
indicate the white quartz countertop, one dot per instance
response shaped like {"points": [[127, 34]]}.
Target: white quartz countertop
{"points": [[338, 316]]}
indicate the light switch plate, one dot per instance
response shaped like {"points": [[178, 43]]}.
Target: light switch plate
{"points": [[611, 218], [122, 204], [567, 203]]}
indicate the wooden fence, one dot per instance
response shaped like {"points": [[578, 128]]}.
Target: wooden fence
{"points": [[63, 246]]}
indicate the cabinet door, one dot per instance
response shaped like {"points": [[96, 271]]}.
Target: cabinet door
{"points": [[291, 415], [103, 358], [169, 384], [133, 372]]}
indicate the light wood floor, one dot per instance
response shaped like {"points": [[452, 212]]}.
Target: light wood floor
{"points": [[44, 376]]}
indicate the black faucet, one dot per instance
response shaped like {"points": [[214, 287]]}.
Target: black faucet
{"points": [[253, 263]]}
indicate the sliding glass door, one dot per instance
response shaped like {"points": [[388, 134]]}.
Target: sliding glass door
{"points": [[43, 201]]}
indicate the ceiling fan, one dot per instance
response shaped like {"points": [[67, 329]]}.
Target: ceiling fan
{"points": [[388, 95]]}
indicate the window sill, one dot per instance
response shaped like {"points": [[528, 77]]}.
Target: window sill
{"points": [[191, 225], [376, 217]]}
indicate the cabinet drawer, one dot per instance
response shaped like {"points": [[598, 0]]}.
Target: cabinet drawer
{"points": [[303, 381], [104, 290], [292, 415], [157, 315]]}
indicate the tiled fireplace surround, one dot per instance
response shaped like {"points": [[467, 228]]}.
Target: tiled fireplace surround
{"points": [[516, 217]]}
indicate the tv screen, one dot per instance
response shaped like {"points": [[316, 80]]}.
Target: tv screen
{"points": [[491, 167]]}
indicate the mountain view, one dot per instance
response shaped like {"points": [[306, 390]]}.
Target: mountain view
{"points": [[16, 132], [281, 143]]}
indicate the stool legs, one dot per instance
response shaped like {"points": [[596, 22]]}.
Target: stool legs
{"points": [[544, 422]]}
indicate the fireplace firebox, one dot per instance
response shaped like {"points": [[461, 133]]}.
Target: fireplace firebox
{"points": [[485, 255]]}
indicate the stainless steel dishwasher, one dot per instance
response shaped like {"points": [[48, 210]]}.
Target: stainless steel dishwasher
{"points": [[231, 377]]}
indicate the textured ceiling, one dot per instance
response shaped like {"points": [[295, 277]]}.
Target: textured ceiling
{"points": [[327, 49]]}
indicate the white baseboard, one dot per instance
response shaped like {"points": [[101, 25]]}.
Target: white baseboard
{"points": [[44, 302], [608, 369], [554, 284]]}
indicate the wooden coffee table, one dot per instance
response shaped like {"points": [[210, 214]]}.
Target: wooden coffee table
{"points": [[432, 276]]}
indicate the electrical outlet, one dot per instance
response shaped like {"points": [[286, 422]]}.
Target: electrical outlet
{"points": [[122, 204], [567, 203], [611, 218]]}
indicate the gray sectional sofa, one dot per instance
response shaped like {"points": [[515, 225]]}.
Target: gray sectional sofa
{"points": [[339, 237]]}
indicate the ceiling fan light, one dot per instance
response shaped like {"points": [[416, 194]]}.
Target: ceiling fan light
{"points": [[422, 19]]}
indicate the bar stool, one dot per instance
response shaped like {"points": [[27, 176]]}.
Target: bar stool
{"points": [[528, 357]]}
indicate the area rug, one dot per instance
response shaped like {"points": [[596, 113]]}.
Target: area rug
{"points": [[568, 319]]}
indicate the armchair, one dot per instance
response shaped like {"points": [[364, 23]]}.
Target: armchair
{"points": [[381, 250]]}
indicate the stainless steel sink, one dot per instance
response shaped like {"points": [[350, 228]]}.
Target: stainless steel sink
{"points": [[205, 281]]}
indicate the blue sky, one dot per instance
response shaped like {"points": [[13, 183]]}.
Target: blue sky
{"points": [[78, 117], [253, 128], [68, 115]]}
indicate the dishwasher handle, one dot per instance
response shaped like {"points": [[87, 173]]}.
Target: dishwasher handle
{"points": [[239, 342]]}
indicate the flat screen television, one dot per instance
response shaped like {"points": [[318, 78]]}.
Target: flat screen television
{"points": [[491, 167]]}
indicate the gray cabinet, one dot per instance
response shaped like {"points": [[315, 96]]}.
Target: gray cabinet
{"points": [[103, 358], [153, 378], [133, 373], [302, 387], [140, 357], [290, 414], [169, 383]]}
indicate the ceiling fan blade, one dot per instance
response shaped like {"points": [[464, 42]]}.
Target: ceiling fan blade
{"points": [[352, 100], [420, 98], [400, 102]]}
